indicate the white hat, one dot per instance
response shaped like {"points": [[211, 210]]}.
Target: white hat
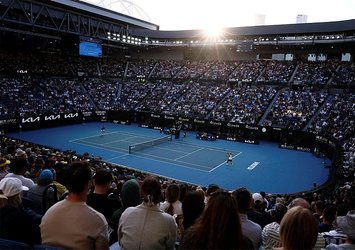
{"points": [[347, 224], [20, 152], [258, 198], [11, 186]]}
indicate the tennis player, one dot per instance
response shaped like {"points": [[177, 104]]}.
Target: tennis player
{"points": [[103, 130], [229, 159]]}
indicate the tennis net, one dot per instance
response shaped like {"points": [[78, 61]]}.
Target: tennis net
{"points": [[147, 144]]}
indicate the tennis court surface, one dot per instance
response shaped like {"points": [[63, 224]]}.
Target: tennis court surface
{"points": [[263, 167]]}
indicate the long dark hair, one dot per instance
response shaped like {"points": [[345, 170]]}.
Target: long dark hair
{"points": [[218, 227]]}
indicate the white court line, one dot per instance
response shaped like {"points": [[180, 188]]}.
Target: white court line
{"points": [[115, 132], [150, 172], [167, 160], [188, 154], [223, 162], [118, 150], [87, 137], [199, 146]]}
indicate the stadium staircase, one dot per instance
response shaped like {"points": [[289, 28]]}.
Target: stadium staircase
{"points": [[220, 102], [330, 97], [293, 75], [270, 106], [86, 92]]}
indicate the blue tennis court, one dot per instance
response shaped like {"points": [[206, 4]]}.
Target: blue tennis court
{"points": [[263, 167], [198, 157]]}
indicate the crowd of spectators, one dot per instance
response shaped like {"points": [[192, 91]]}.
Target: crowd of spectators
{"points": [[258, 219], [277, 73], [315, 73], [293, 108], [244, 104]]}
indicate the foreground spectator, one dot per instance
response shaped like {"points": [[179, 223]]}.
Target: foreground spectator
{"points": [[271, 232], [4, 163], [42, 195], [298, 229], [147, 226], [172, 205], [249, 228], [71, 223], [347, 225], [19, 167], [99, 199], [218, 227], [16, 222]]}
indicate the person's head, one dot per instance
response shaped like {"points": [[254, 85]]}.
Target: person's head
{"points": [[279, 212], [78, 177], [243, 197], [219, 225], [172, 194], [192, 207], [103, 180], [299, 202], [347, 224], [151, 190], [45, 177], [10, 192], [130, 193], [298, 229], [329, 213], [4, 163], [19, 166], [258, 201]]}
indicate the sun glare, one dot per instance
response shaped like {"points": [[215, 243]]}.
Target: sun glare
{"points": [[213, 31]]}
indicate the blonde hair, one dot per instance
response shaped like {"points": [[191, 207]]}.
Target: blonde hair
{"points": [[298, 229], [13, 201]]}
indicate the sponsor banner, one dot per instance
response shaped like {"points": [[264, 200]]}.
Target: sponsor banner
{"points": [[233, 125], [169, 117], [216, 123], [87, 113], [8, 121], [51, 117], [299, 148], [199, 121], [31, 119], [71, 115], [184, 119], [251, 127], [100, 112]]}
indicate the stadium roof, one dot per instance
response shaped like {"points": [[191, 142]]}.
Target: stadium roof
{"points": [[284, 29], [87, 7]]}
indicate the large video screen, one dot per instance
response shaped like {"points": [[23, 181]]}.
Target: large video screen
{"points": [[90, 47]]}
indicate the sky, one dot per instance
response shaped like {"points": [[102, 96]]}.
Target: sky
{"points": [[207, 14]]}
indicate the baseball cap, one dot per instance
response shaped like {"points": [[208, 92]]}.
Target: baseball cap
{"points": [[258, 199], [11, 186]]}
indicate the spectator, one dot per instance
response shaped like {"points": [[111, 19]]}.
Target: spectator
{"points": [[157, 229], [19, 167], [249, 228], [42, 195], [16, 222], [192, 207], [271, 232], [328, 217], [130, 197], [172, 204], [4, 163], [218, 227], [90, 230], [298, 229], [99, 198], [347, 225]]}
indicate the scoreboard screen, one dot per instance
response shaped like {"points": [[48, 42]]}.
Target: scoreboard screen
{"points": [[90, 47]]}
